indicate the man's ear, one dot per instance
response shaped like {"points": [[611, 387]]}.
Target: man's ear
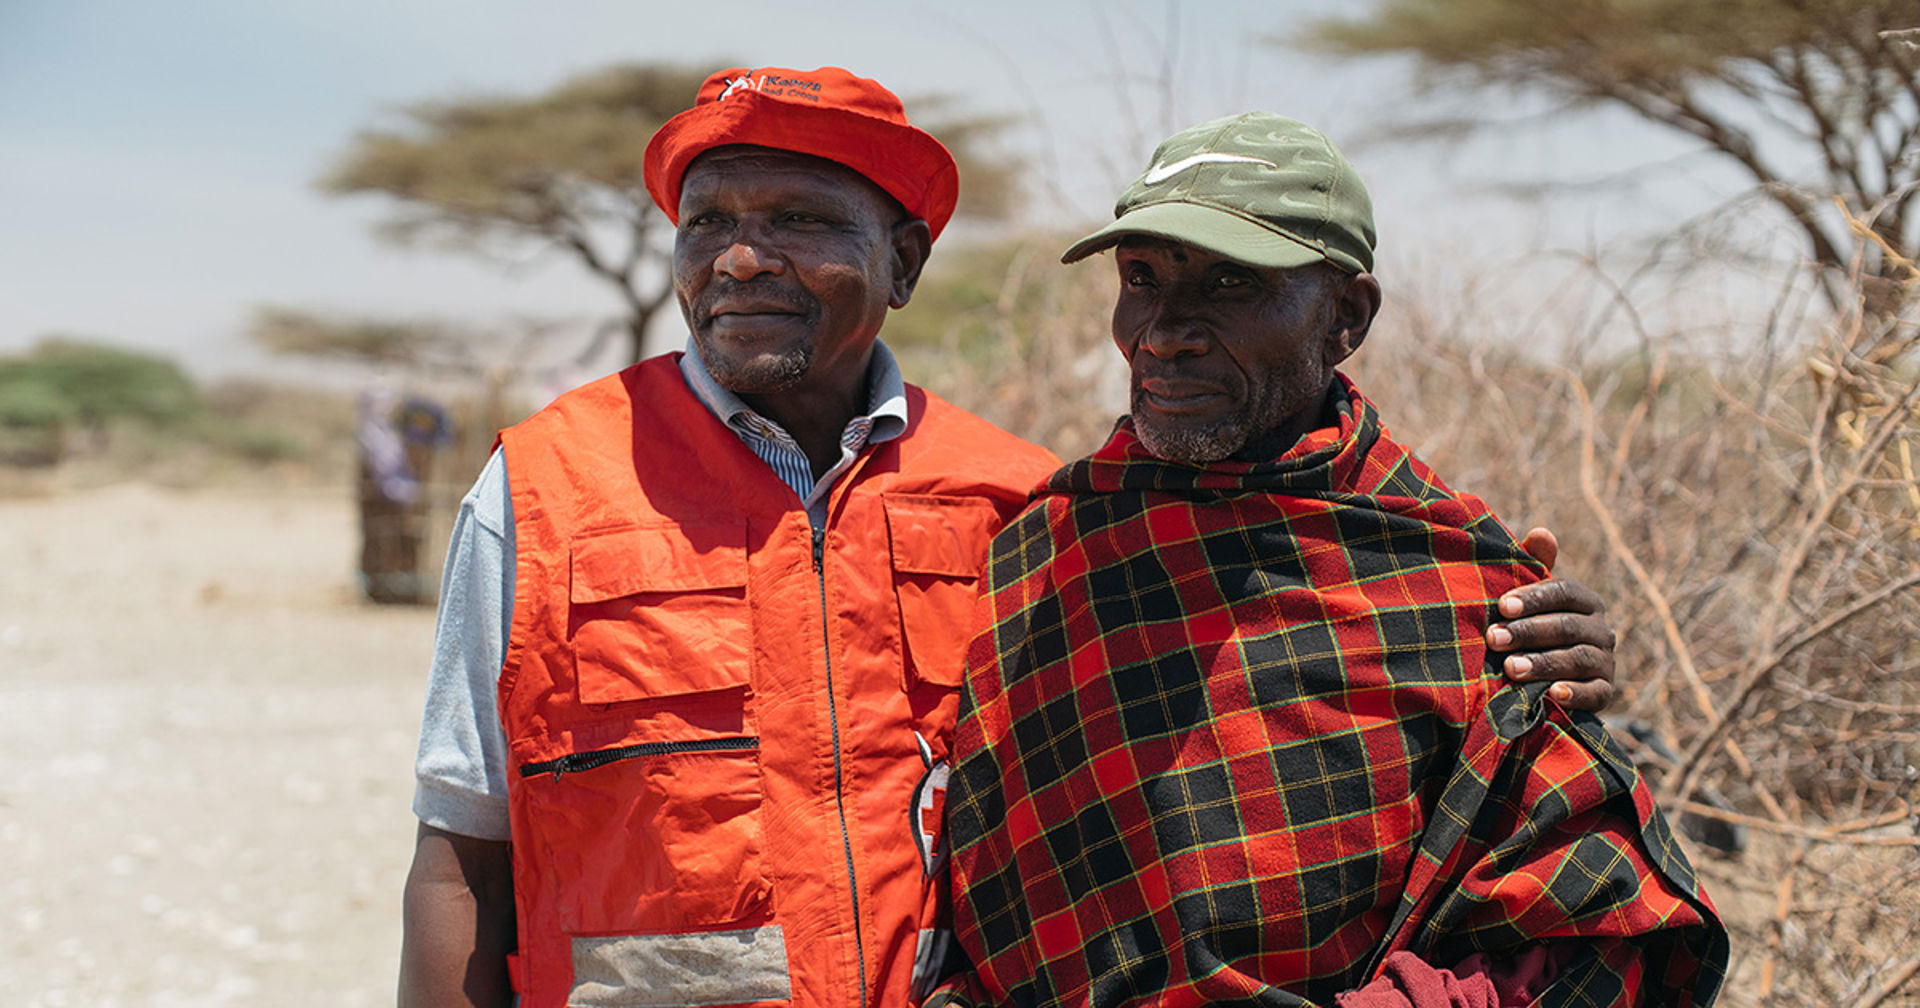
{"points": [[1356, 300], [912, 243]]}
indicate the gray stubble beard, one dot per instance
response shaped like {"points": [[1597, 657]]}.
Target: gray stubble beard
{"points": [[762, 377], [1194, 446]]}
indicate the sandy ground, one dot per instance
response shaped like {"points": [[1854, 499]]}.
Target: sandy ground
{"points": [[208, 743]]}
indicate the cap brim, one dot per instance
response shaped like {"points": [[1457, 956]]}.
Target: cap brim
{"points": [[1224, 234]]}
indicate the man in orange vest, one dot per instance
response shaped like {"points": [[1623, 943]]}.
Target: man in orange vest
{"points": [[701, 631]]}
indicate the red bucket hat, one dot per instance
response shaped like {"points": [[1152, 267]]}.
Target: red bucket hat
{"points": [[827, 113]]}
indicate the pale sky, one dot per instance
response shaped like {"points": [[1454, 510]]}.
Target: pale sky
{"points": [[157, 159]]}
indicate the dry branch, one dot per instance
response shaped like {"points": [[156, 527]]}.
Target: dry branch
{"points": [[1895, 980]]}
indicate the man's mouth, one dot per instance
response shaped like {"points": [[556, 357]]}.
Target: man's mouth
{"points": [[1176, 395], [749, 312], [752, 311]]}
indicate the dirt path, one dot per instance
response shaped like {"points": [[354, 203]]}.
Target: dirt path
{"points": [[209, 745]]}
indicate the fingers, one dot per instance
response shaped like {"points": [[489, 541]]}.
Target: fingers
{"points": [[1552, 631], [1553, 595], [1541, 545], [1593, 695], [1584, 675], [1572, 664], [1558, 632]]}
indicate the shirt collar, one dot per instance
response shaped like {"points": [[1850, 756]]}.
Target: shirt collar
{"points": [[886, 394]]}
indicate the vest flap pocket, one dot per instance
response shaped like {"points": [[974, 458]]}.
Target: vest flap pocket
{"points": [[668, 557], [939, 535], [939, 546], [660, 610]]}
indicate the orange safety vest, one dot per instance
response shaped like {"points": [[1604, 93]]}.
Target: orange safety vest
{"points": [[727, 732]]}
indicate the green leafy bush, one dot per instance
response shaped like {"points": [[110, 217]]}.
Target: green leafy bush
{"points": [[64, 383]]}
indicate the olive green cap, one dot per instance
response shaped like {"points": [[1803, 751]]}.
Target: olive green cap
{"points": [[1255, 188]]}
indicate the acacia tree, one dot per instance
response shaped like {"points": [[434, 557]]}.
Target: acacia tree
{"points": [[1815, 100], [380, 342], [558, 171], [563, 171]]}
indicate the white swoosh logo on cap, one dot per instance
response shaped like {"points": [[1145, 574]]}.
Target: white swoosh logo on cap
{"points": [[1161, 172]]}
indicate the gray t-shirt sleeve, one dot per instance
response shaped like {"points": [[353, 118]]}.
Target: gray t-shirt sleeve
{"points": [[460, 773]]}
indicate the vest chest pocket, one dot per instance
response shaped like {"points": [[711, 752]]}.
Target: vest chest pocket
{"points": [[939, 546], [660, 610]]}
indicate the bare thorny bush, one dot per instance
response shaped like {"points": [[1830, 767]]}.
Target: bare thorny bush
{"points": [[1753, 519]]}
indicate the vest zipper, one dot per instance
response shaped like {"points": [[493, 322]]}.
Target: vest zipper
{"points": [[601, 757], [839, 783]]}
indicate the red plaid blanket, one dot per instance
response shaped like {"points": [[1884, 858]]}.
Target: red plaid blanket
{"points": [[1232, 738]]}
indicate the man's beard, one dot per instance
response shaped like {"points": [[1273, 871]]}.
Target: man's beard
{"points": [[1248, 433], [763, 374], [1190, 444]]}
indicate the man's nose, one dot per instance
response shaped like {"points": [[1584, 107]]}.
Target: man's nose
{"points": [[1172, 333], [748, 255]]}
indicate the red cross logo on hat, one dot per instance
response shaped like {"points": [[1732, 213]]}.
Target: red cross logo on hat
{"points": [[737, 83]]}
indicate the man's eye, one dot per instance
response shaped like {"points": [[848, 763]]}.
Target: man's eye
{"points": [[1137, 278], [701, 222], [1231, 281], [805, 220]]}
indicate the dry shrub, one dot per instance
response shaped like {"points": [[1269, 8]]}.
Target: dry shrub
{"points": [[1753, 518], [1743, 493]]}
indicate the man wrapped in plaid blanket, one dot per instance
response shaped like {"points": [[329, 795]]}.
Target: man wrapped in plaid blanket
{"points": [[1233, 735]]}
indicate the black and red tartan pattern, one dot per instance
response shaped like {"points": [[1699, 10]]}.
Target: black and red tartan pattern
{"points": [[1232, 737]]}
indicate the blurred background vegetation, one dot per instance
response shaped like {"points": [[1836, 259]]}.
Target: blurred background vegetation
{"points": [[112, 411], [1717, 419]]}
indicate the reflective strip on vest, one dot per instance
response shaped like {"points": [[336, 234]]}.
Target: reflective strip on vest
{"points": [[666, 970]]}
